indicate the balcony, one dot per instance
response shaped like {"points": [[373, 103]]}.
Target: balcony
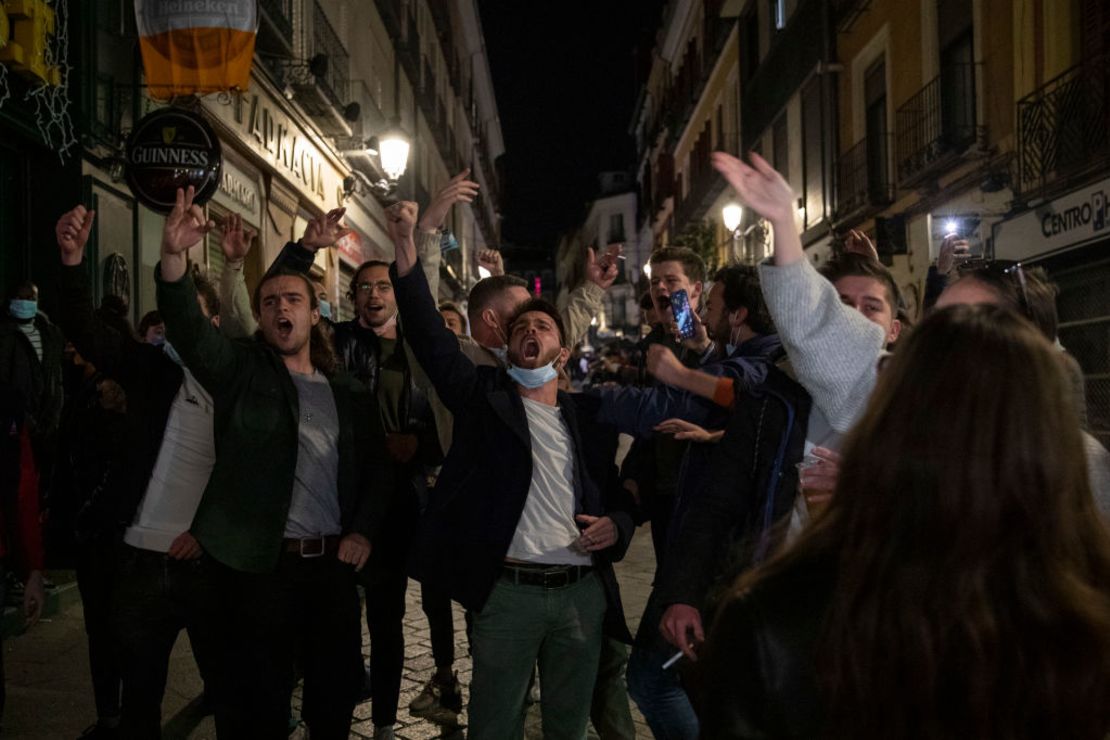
{"points": [[275, 27], [936, 125], [863, 177], [705, 183], [1064, 129], [324, 93]]}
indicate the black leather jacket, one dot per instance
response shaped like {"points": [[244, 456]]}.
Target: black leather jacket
{"points": [[755, 677]]}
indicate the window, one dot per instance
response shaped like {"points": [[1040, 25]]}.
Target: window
{"points": [[813, 153], [874, 87], [780, 145], [616, 228], [957, 71]]}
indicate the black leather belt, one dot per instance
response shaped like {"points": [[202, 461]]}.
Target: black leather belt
{"points": [[547, 576], [312, 547]]}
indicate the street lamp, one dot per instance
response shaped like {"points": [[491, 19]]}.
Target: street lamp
{"points": [[731, 215], [393, 150]]}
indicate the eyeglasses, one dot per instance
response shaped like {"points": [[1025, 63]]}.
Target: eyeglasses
{"points": [[1001, 270], [367, 287]]}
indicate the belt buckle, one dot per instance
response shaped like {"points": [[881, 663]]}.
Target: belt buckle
{"points": [[319, 541], [550, 578]]}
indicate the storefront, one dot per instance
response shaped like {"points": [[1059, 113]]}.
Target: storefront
{"points": [[1070, 237]]}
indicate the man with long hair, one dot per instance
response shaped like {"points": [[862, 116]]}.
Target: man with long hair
{"points": [[291, 505], [957, 585]]}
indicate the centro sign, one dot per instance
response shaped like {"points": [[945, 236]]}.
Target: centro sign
{"points": [[1070, 221], [169, 149]]}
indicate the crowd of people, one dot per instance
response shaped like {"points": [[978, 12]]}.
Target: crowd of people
{"points": [[861, 528]]}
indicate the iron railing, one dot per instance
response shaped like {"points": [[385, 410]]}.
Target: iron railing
{"points": [[937, 122], [1064, 127], [863, 176], [336, 80]]}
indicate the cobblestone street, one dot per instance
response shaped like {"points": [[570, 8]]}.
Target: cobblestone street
{"points": [[49, 697]]}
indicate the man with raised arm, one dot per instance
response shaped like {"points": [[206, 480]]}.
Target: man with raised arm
{"points": [[520, 530], [292, 502]]}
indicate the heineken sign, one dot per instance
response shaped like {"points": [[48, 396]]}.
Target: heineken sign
{"points": [[169, 149]]}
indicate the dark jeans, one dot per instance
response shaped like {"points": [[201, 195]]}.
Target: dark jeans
{"points": [[306, 611], [441, 623], [96, 579], [156, 598], [659, 693], [387, 575], [610, 713]]}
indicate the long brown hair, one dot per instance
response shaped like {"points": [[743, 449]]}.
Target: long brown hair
{"points": [[972, 594], [321, 351]]}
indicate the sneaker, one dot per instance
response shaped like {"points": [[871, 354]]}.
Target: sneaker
{"points": [[439, 703]]}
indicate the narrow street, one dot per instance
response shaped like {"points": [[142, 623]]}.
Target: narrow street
{"points": [[49, 696]]}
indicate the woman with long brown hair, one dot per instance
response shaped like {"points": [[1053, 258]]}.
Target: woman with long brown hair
{"points": [[958, 585]]}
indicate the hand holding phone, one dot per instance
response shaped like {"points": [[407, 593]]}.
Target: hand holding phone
{"points": [[683, 314]]}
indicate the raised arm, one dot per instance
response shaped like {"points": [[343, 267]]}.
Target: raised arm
{"points": [[584, 302], [834, 348], [212, 357], [98, 342], [459, 189], [435, 346], [236, 315]]}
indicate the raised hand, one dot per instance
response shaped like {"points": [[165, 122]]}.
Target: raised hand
{"points": [[859, 243], [236, 241], [953, 247], [325, 230], [759, 186], [186, 225], [400, 222], [457, 190], [601, 272], [492, 261], [72, 233]]}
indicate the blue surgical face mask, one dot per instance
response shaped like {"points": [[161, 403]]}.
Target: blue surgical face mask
{"points": [[535, 377], [23, 309], [172, 354], [501, 353], [325, 309], [730, 348], [158, 341]]}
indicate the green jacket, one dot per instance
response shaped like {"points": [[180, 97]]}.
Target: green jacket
{"points": [[241, 518]]}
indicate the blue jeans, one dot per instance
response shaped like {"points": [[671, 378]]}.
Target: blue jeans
{"points": [[657, 692]]}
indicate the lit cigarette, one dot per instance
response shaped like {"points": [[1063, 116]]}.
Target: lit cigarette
{"points": [[673, 659]]}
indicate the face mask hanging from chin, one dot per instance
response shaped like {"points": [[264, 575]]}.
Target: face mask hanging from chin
{"points": [[533, 377], [384, 328]]}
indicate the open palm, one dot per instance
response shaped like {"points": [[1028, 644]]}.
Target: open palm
{"points": [[186, 225], [759, 186]]}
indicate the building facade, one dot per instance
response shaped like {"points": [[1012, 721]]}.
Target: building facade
{"points": [[327, 76]]}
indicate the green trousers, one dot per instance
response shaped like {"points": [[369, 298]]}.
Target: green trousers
{"points": [[520, 626]]}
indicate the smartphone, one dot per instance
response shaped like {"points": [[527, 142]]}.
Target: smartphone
{"points": [[683, 314]]}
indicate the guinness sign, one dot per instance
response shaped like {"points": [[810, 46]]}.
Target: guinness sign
{"points": [[169, 149]]}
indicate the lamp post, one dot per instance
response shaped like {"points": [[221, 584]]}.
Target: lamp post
{"points": [[393, 150], [731, 215]]}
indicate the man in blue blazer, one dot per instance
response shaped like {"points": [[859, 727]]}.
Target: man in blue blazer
{"points": [[526, 519]]}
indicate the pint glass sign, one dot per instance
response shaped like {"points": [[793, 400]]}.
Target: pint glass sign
{"points": [[196, 46]]}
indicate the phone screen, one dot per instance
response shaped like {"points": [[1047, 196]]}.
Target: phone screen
{"points": [[683, 314]]}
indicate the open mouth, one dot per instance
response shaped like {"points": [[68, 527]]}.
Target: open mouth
{"points": [[530, 349], [284, 327]]}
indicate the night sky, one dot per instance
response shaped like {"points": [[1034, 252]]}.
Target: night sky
{"points": [[565, 80]]}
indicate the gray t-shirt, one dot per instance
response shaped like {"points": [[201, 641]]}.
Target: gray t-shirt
{"points": [[314, 509]]}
